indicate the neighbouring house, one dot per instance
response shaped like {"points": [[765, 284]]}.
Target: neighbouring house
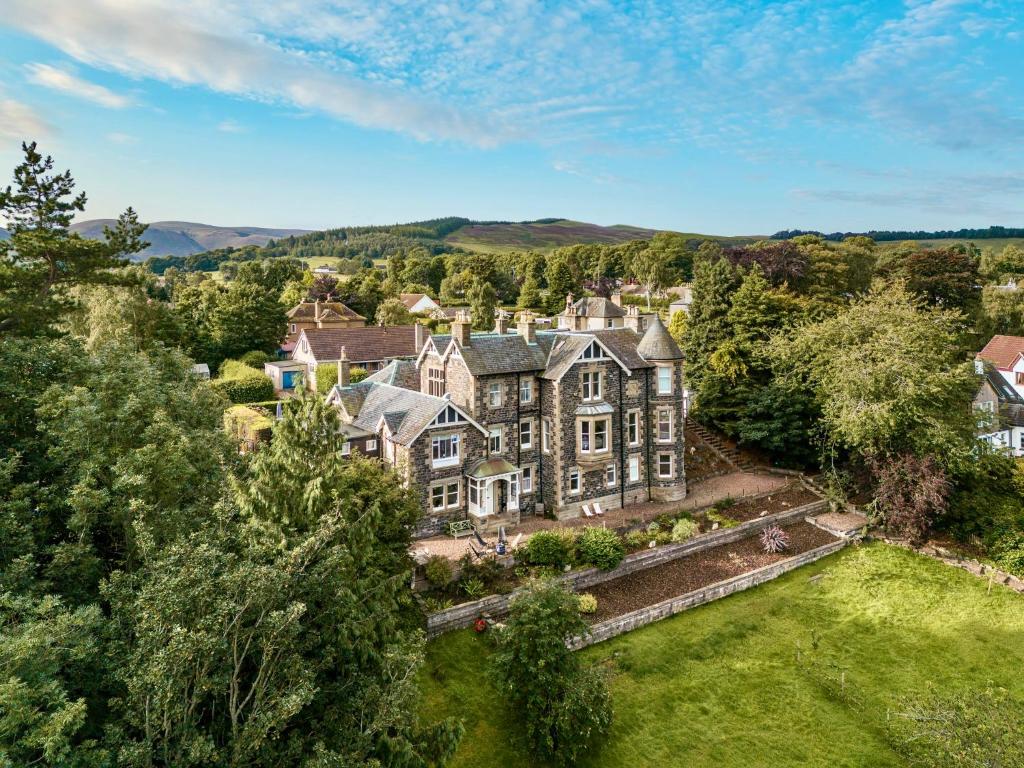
{"points": [[369, 347], [286, 374], [418, 303], [683, 300], [506, 424], [999, 402], [325, 269], [319, 314], [593, 313]]}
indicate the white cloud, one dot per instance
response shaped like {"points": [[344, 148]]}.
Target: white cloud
{"points": [[230, 126], [196, 45], [19, 121], [65, 82]]}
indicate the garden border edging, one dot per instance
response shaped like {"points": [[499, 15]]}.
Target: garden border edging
{"points": [[462, 616], [641, 617]]}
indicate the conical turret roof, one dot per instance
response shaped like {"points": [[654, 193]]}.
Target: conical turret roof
{"points": [[657, 344]]}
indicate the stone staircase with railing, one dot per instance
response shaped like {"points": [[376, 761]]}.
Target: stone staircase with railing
{"points": [[715, 443]]}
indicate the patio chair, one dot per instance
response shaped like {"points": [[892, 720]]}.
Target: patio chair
{"points": [[515, 541], [476, 553], [586, 511], [480, 540], [597, 509]]}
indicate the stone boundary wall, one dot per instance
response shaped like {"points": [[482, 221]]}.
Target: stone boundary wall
{"points": [[461, 616], [606, 630], [979, 569]]}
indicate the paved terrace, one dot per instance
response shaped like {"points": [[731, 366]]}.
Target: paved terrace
{"points": [[736, 485]]}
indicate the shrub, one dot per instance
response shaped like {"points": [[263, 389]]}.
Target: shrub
{"points": [[774, 540], [722, 520], [653, 528], [663, 537], [637, 539], [248, 390], [236, 369], [356, 374], [588, 603], [438, 571], [911, 494], [472, 587], [556, 548], [1009, 553], [665, 521], [601, 547], [684, 529], [255, 359], [562, 705]]}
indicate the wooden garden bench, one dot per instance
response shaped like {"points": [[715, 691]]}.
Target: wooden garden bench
{"points": [[458, 528]]}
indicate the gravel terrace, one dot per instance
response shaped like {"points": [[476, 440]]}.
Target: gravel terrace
{"points": [[650, 586], [791, 497]]}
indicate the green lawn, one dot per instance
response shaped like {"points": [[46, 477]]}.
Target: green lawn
{"points": [[721, 685]]}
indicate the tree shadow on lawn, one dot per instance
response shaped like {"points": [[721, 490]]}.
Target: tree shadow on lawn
{"points": [[800, 671]]}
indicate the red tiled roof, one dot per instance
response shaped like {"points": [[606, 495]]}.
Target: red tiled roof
{"points": [[1002, 351], [366, 344], [307, 310]]}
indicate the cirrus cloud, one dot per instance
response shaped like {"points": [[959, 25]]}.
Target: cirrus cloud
{"points": [[65, 82]]}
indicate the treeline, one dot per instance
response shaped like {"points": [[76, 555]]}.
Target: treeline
{"points": [[857, 361], [879, 236]]}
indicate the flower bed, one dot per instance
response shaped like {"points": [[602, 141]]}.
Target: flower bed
{"points": [[700, 569]]}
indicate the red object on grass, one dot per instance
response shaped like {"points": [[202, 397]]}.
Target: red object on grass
{"points": [[480, 625]]}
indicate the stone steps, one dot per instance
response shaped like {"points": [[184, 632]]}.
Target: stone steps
{"points": [[712, 440]]}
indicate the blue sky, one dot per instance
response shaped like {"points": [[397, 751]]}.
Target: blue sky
{"points": [[700, 116]]}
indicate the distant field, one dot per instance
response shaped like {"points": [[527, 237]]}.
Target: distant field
{"points": [[754, 679]]}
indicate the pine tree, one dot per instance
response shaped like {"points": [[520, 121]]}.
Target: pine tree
{"points": [[708, 322]]}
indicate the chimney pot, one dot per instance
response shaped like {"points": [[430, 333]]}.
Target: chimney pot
{"points": [[462, 327], [344, 373], [527, 327]]}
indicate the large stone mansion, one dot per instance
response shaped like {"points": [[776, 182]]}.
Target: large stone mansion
{"points": [[494, 426]]}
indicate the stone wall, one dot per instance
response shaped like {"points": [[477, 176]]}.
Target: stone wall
{"points": [[606, 630], [464, 615]]}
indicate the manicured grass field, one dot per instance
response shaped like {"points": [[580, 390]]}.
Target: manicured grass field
{"points": [[722, 685]]}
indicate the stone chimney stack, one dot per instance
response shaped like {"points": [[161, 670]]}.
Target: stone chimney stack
{"points": [[462, 327], [421, 337], [527, 327], [343, 369], [632, 318], [316, 310], [617, 298], [501, 322]]}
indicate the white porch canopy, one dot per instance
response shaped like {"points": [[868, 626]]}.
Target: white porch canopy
{"points": [[482, 480]]}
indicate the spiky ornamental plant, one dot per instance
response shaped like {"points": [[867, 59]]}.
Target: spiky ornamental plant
{"points": [[774, 540]]}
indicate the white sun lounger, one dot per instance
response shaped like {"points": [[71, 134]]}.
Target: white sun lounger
{"points": [[586, 511], [597, 509]]}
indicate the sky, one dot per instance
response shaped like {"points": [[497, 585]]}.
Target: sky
{"points": [[710, 116]]}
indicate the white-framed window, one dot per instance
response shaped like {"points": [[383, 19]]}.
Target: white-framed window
{"points": [[448, 416], [609, 323], [371, 445], [591, 385], [633, 427], [594, 352], [474, 492], [664, 380], [527, 479], [664, 425], [305, 346], [435, 381], [513, 492], [665, 466], [634, 468], [494, 394], [526, 391], [609, 474], [346, 448], [574, 481], [525, 434], [494, 440], [444, 496], [545, 435], [593, 436], [444, 450]]}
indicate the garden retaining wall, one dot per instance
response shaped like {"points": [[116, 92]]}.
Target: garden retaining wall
{"points": [[606, 630], [464, 615]]}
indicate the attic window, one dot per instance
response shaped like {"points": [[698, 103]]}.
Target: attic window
{"points": [[448, 416], [593, 352]]}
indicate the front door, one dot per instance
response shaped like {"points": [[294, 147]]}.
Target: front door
{"points": [[490, 505]]}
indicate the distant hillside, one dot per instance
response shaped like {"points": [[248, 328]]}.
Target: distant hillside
{"points": [[541, 235], [183, 238]]}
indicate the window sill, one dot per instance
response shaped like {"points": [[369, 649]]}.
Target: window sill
{"points": [[443, 463]]}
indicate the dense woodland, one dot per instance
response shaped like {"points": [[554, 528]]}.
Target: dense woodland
{"points": [[165, 601], [888, 235]]}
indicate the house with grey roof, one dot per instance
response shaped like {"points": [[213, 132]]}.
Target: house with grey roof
{"points": [[999, 409], [510, 423], [370, 347], [594, 313]]}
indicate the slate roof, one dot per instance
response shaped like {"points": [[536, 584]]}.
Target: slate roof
{"points": [[567, 348], [1005, 392], [657, 344], [400, 373], [362, 344], [596, 306], [1002, 351], [491, 354], [306, 310], [411, 299]]}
